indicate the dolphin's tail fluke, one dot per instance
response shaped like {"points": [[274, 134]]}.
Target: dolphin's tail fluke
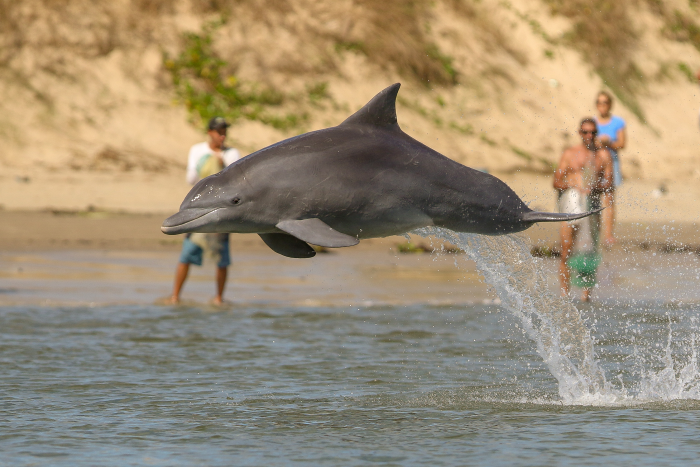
{"points": [[536, 216]]}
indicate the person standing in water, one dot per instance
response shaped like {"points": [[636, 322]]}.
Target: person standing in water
{"points": [[206, 159], [612, 135], [584, 176]]}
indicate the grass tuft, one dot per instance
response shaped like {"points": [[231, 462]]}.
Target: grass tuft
{"points": [[395, 34], [682, 28], [687, 72], [603, 32], [208, 87], [547, 166]]}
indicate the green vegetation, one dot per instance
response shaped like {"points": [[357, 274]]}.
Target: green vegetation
{"points": [[487, 140], [545, 251], [396, 35], [602, 31], [465, 129], [409, 247], [206, 84], [535, 25], [522, 153], [318, 92], [445, 61], [491, 33], [349, 46], [682, 28], [432, 116], [539, 30], [547, 165], [687, 72], [422, 111]]}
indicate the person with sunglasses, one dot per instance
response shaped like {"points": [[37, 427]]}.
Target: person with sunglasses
{"points": [[612, 134], [205, 159], [583, 177]]}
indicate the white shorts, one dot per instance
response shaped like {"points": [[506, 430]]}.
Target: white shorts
{"points": [[573, 201]]}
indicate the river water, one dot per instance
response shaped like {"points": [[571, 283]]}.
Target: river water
{"points": [[389, 383]]}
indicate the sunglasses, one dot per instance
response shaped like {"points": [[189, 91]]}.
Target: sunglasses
{"points": [[602, 102], [589, 132]]}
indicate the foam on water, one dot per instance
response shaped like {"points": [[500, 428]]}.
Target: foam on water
{"points": [[555, 325]]}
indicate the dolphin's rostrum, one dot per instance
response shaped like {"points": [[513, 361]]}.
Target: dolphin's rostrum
{"points": [[364, 178]]}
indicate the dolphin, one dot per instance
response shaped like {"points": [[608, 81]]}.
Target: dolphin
{"points": [[364, 178]]}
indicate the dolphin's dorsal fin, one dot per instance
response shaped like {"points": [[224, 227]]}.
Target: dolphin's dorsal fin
{"points": [[380, 111]]}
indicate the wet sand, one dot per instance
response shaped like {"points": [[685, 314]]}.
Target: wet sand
{"points": [[83, 258], [81, 230]]}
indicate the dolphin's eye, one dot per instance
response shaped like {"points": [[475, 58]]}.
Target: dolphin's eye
{"points": [[236, 200]]}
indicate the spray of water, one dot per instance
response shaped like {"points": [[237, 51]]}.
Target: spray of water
{"points": [[554, 323], [562, 338], [669, 384]]}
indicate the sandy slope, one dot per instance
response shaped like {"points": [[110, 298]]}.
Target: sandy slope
{"points": [[89, 120]]}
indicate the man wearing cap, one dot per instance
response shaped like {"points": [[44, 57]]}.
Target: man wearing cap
{"points": [[206, 159]]}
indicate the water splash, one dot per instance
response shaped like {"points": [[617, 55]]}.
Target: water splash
{"points": [[669, 384], [562, 338]]}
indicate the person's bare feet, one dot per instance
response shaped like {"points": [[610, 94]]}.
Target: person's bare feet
{"points": [[218, 301], [172, 300], [609, 242]]}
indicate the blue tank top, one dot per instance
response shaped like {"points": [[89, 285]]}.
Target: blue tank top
{"points": [[611, 128]]}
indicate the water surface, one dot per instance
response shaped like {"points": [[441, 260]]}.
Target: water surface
{"points": [[357, 359], [393, 385]]}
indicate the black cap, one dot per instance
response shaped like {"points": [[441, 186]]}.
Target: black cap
{"points": [[217, 123]]}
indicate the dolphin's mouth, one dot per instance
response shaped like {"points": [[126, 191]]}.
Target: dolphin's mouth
{"points": [[189, 220]]}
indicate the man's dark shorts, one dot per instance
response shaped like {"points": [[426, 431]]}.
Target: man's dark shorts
{"points": [[192, 253]]}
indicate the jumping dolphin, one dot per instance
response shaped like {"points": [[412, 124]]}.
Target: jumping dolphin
{"points": [[364, 178]]}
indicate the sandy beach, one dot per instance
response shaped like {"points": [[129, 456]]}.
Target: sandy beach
{"points": [[97, 257], [380, 354]]}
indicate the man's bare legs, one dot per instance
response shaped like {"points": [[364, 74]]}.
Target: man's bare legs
{"points": [[180, 276], [586, 295], [221, 274], [181, 273], [566, 232], [608, 217]]}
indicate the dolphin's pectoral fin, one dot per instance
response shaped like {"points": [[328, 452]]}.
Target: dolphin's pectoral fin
{"points": [[287, 245], [317, 232]]}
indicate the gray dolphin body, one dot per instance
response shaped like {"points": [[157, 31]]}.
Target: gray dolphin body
{"points": [[364, 178]]}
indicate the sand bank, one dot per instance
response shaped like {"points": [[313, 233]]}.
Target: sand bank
{"points": [[80, 230], [84, 258]]}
